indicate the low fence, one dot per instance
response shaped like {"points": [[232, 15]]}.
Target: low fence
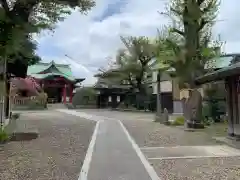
{"points": [[28, 103]]}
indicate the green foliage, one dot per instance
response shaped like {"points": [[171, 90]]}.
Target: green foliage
{"points": [[179, 121], [187, 42], [15, 115], [3, 136], [131, 63], [20, 18], [225, 121], [41, 98], [213, 95], [26, 53], [84, 96], [206, 111], [208, 121]]}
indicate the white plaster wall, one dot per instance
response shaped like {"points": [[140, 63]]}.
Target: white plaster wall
{"points": [[166, 86]]}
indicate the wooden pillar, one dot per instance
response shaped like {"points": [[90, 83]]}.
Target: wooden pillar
{"points": [[229, 104], [234, 108], [64, 93], [237, 120]]}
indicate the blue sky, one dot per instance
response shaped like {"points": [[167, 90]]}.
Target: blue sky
{"points": [[90, 40]]}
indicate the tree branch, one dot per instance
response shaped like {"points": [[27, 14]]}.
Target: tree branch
{"points": [[5, 5], [178, 31], [24, 10], [179, 13], [203, 22], [200, 2]]}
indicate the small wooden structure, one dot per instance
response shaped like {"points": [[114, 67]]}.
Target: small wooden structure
{"points": [[231, 76], [109, 95]]}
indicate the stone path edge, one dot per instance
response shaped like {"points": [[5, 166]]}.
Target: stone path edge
{"points": [[150, 170], [88, 158], [191, 157]]}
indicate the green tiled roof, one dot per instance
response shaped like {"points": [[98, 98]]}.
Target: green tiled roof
{"points": [[216, 63], [230, 66], [219, 62], [52, 69], [220, 74]]}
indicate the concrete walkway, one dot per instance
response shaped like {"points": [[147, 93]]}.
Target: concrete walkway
{"points": [[113, 154]]}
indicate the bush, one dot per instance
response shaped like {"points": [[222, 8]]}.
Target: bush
{"points": [[225, 121], [84, 96], [41, 98], [179, 121], [3, 136], [15, 115], [207, 121]]}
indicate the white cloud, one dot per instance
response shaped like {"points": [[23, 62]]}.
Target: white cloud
{"points": [[90, 42]]}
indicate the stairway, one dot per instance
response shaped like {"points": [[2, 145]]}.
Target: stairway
{"points": [[56, 106]]}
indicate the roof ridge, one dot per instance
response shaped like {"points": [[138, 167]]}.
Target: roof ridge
{"points": [[48, 63]]}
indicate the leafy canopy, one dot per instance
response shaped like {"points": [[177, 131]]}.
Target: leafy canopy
{"points": [[189, 45], [131, 63], [19, 18]]}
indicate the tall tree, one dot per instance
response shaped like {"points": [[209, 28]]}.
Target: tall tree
{"points": [[188, 44], [19, 18], [26, 53], [132, 63]]}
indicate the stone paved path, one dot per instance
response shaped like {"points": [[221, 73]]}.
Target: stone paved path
{"points": [[172, 152], [114, 156]]}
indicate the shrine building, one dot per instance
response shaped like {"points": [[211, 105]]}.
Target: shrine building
{"points": [[56, 80]]}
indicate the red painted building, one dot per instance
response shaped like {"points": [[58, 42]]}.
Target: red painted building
{"points": [[56, 80]]}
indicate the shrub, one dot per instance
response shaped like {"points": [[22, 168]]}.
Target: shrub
{"points": [[85, 96], [41, 98], [15, 115], [3, 135], [207, 121], [179, 121], [225, 121]]}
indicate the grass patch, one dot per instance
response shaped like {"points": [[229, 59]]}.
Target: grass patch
{"points": [[179, 121], [3, 136], [16, 116]]}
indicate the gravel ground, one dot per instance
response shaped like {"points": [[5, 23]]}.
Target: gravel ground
{"points": [[156, 135], [198, 169], [152, 134], [57, 154]]}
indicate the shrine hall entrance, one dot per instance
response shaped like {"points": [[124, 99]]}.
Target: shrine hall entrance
{"points": [[54, 94]]}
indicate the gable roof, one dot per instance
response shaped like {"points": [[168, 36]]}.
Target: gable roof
{"points": [[44, 70], [215, 63], [232, 69], [39, 67], [103, 83], [221, 61]]}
